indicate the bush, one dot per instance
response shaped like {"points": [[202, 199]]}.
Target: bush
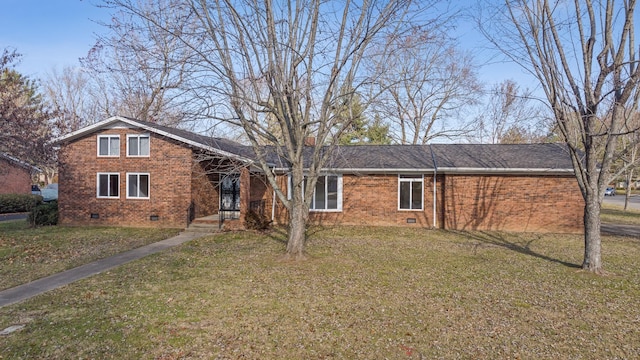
{"points": [[13, 203], [44, 214], [256, 221]]}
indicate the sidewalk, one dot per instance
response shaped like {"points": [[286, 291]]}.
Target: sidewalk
{"points": [[26, 291]]}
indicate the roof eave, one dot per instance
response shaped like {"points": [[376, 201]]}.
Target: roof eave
{"points": [[92, 128]]}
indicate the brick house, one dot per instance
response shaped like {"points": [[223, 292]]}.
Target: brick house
{"points": [[123, 171], [15, 175]]}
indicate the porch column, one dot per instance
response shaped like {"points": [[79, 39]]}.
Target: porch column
{"points": [[245, 193]]}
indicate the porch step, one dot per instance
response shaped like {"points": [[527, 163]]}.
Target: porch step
{"points": [[207, 224], [204, 227]]}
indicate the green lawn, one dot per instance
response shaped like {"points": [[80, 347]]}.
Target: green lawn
{"points": [[28, 254], [366, 293], [616, 215]]}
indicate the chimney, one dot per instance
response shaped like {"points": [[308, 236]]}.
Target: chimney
{"points": [[310, 141]]}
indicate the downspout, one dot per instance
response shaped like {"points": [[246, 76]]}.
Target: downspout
{"points": [[273, 201], [435, 173]]}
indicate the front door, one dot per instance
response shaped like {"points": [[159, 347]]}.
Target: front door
{"points": [[230, 195]]}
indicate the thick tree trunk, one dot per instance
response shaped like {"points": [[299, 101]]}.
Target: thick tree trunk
{"points": [[592, 244], [297, 232]]}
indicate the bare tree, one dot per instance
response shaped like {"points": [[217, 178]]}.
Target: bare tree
{"points": [[628, 157], [70, 94], [584, 57], [508, 115], [139, 71], [425, 81], [262, 60]]}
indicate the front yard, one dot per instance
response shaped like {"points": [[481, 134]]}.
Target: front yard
{"points": [[28, 254], [367, 293]]}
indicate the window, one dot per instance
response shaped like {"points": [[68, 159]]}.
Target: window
{"points": [[138, 145], [327, 196], [108, 185], [109, 145], [410, 192], [137, 185]]}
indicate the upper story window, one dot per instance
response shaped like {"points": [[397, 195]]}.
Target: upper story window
{"points": [[109, 145], [138, 145], [108, 185], [410, 190], [327, 195]]}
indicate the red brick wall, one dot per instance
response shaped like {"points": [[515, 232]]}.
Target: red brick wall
{"points": [[373, 200], [14, 179], [464, 202], [513, 203], [169, 167], [205, 195]]}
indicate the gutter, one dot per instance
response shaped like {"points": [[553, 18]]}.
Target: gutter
{"points": [[435, 173], [527, 171]]}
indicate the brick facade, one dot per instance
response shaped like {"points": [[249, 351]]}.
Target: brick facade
{"points": [[170, 176], [183, 186], [531, 203], [513, 203], [14, 179]]}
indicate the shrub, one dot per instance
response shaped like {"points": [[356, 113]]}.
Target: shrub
{"points": [[256, 221], [12, 203], [44, 214]]}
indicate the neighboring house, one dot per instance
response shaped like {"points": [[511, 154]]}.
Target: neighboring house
{"points": [[15, 175], [123, 171]]}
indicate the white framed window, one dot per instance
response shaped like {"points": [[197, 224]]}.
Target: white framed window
{"points": [[138, 145], [108, 185], [327, 195], [109, 145], [137, 185], [410, 192]]}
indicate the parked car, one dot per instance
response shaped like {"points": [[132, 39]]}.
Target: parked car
{"points": [[50, 193], [35, 190], [610, 192]]}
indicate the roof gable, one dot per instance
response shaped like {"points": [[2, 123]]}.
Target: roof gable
{"points": [[222, 147]]}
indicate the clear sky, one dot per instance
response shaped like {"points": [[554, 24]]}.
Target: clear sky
{"points": [[55, 33], [49, 33]]}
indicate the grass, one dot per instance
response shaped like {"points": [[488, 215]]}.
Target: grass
{"points": [[370, 293], [616, 215], [28, 254]]}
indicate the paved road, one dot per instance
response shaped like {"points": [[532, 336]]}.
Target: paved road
{"points": [[7, 217], [618, 200]]}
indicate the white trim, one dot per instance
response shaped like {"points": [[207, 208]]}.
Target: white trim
{"points": [[108, 183], [138, 136], [410, 180], [108, 136], [115, 119], [137, 174], [339, 193], [445, 170]]}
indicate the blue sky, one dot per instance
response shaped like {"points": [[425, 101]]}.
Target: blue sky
{"points": [[49, 33], [55, 33]]}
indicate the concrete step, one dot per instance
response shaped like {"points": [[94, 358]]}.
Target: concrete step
{"points": [[204, 227]]}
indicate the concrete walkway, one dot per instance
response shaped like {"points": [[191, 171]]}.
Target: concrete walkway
{"points": [[26, 291]]}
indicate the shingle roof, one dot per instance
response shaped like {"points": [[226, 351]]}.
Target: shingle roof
{"points": [[502, 156], [381, 158]]}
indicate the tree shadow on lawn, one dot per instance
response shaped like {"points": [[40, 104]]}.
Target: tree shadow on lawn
{"points": [[502, 240]]}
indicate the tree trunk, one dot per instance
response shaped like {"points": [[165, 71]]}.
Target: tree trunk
{"points": [[297, 232], [627, 192], [592, 244]]}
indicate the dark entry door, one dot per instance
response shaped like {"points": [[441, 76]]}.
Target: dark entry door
{"points": [[230, 193]]}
